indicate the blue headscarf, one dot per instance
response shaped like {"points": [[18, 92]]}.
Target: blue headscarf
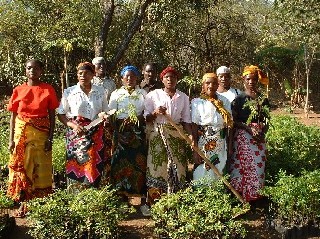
{"points": [[130, 68]]}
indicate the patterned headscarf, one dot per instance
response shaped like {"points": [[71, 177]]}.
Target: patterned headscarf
{"points": [[130, 68], [86, 66], [209, 75], [169, 69], [263, 79]]}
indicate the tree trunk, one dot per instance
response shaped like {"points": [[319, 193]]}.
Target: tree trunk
{"points": [[132, 29], [101, 41]]}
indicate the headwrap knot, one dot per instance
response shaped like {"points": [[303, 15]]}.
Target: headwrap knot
{"points": [[130, 68], [263, 79], [169, 69]]}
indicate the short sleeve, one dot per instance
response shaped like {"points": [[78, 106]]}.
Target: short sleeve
{"points": [[13, 102], [113, 104], [148, 104], [195, 115], [185, 113], [64, 105], [53, 100]]}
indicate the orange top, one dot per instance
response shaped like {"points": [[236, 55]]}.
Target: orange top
{"points": [[33, 101]]}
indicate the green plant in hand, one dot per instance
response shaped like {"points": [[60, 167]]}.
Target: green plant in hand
{"points": [[200, 212]]}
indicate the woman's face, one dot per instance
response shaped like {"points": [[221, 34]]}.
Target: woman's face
{"points": [[85, 77], [210, 86], [33, 70], [251, 81], [129, 79], [170, 80]]}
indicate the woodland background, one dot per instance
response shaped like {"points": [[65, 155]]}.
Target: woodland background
{"points": [[196, 36]]}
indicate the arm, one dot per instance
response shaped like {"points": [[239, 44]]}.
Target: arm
{"points": [[11, 145], [52, 118], [77, 128]]}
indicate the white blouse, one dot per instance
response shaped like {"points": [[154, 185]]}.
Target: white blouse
{"points": [[75, 102], [121, 101], [203, 112]]}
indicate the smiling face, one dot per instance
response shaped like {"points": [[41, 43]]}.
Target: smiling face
{"points": [[100, 68], [129, 79], [85, 77], [251, 81], [33, 70], [170, 80], [210, 86]]}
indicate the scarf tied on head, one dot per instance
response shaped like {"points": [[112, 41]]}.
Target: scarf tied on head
{"points": [[263, 79]]}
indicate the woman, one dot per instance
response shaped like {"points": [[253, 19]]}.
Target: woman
{"points": [[128, 163], [167, 159], [250, 113], [80, 104], [32, 123], [211, 114]]}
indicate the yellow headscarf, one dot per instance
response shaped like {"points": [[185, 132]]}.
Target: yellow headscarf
{"points": [[217, 103], [209, 75], [263, 79]]}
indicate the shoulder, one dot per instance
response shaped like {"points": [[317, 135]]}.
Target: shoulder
{"points": [[197, 101], [155, 92], [181, 94]]}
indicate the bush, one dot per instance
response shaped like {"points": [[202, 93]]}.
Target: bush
{"points": [[295, 200], [59, 154], [201, 212], [4, 137], [91, 213], [292, 147]]}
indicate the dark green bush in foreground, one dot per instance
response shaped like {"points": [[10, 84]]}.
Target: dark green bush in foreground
{"points": [[292, 146], [202, 212], [295, 200], [92, 213]]}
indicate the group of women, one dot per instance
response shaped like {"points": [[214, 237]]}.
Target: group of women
{"points": [[105, 145]]}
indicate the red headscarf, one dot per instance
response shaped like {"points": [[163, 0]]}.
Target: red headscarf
{"points": [[169, 69]]}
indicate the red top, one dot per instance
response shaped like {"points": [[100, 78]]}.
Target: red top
{"points": [[33, 101]]}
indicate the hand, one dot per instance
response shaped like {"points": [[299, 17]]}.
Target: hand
{"points": [[105, 116], [79, 130], [48, 145], [162, 110], [11, 146]]}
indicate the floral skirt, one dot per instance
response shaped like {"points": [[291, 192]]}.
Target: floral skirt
{"points": [[212, 143], [247, 166]]}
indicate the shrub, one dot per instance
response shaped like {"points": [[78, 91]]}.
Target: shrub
{"points": [[4, 137], [295, 200], [91, 213], [292, 147], [59, 154], [199, 212]]}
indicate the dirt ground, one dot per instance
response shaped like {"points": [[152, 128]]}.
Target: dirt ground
{"points": [[139, 227]]}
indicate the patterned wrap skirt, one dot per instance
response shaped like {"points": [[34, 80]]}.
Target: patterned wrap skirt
{"points": [[162, 174], [85, 155], [30, 166], [128, 162], [212, 142], [247, 165]]}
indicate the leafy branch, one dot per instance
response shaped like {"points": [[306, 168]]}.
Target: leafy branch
{"points": [[257, 110]]}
